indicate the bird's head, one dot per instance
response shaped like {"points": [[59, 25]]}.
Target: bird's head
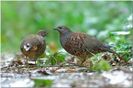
{"points": [[42, 33], [29, 47], [63, 30]]}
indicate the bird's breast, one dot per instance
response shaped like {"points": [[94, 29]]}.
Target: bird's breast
{"points": [[74, 45]]}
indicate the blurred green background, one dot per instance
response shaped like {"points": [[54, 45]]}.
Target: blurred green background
{"points": [[20, 18]]}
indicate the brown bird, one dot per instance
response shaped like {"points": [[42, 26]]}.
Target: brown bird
{"points": [[34, 45], [80, 44]]}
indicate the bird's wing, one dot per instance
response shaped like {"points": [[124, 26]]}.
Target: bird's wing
{"points": [[91, 44]]}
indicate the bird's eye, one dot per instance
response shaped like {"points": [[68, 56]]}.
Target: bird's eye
{"points": [[27, 45]]}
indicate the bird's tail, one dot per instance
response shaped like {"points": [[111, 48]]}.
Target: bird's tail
{"points": [[42, 33]]}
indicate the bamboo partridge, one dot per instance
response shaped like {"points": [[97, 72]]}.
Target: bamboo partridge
{"points": [[34, 45], [80, 44]]}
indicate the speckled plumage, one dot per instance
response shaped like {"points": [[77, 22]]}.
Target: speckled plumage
{"points": [[34, 45], [80, 44]]}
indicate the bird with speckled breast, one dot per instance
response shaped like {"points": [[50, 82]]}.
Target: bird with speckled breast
{"points": [[81, 45], [34, 45]]}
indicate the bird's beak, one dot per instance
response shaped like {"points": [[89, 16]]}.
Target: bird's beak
{"points": [[42, 33]]}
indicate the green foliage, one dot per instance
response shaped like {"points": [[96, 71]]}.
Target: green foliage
{"points": [[56, 58], [122, 45], [42, 83], [102, 65], [20, 18]]}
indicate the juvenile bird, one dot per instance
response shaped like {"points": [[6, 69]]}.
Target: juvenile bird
{"points": [[80, 44], [34, 45]]}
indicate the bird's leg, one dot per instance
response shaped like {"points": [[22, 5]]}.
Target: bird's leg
{"points": [[30, 64], [26, 62], [83, 60], [87, 62]]}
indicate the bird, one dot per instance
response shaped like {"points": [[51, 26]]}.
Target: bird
{"points": [[81, 44], [34, 45]]}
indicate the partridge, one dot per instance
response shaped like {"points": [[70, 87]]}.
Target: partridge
{"points": [[81, 45], [34, 45]]}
